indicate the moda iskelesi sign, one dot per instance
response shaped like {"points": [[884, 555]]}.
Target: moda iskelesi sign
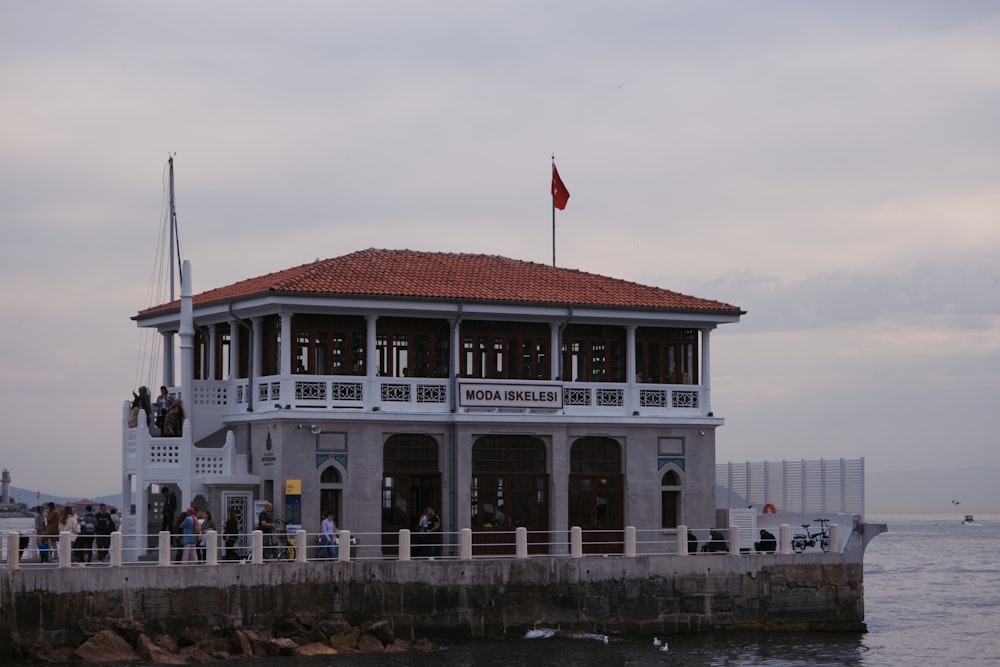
{"points": [[509, 395]]}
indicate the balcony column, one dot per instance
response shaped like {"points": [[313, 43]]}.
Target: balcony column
{"points": [[706, 374], [168, 358], [630, 354], [285, 348], [372, 395], [210, 371], [234, 349], [556, 355], [255, 346]]}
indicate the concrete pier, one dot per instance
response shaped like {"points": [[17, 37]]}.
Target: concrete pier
{"points": [[480, 598]]}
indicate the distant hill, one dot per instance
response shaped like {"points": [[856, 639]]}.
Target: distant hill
{"points": [[18, 495], [976, 490]]}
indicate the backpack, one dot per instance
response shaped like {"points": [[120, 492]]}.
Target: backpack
{"points": [[88, 525]]}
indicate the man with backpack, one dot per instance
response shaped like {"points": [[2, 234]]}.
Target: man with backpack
{"points": [[85, 541], [105, 525]]}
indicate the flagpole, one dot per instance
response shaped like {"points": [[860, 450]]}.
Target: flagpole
{"points": [[553, 217]]}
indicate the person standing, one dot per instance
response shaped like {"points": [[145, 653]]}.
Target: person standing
{"points": [[173, 424], [88, 531], [328, 537], [68, 523], [231, 532], [39, 530], [163, 403], [433, 532], [206, 524], [190, 532], [169, 509], [265, 524], [105, 525], [51, 534]]}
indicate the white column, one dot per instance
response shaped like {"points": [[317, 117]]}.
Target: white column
{"points": [[255, 349], [371, 351], [344, 553], [168, 359], [682, 540], [630, 354], [210, 371], [630, 541], [465, 544], [285, 349], [234, 349], [575, 542], [211, 547], [556, 351], [404, 544], [706, 371], [301, 546]]}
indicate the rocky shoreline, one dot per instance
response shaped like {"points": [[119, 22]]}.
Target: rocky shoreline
{"points": [[110, 640]]}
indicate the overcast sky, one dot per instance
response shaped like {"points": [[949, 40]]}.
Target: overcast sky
{"points": [[831, 167]]}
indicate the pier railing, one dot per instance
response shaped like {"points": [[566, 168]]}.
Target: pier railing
{"points": [[302, 546]]}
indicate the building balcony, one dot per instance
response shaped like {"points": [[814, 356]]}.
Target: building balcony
{"points": [[427, 396]]}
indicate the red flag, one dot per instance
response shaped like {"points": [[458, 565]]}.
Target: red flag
{"points": [[560, 195]]}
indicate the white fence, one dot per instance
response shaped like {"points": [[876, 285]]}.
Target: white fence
{"points": [[835, 486]]}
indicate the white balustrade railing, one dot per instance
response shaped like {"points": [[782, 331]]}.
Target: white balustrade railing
{"points": [[256, 548]]}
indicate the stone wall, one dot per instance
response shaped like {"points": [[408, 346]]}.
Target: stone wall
{"points": [[445, 599]]}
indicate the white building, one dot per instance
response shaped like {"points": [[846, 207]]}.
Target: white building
{"points": [[503, 393]]}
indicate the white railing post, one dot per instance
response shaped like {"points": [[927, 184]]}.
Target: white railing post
{"points": [[258, 547], [835, 538], [734, 540], [576, 542], [301, 546], [65, 550], [785, 538], [13, 550], [163, 548], [465, 544], [630, 541], [116, 549], [521, 542], [344, 554], [211, 547], [404, 544], [682, 540]]}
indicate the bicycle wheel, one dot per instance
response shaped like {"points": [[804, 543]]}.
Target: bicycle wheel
{"points": [[824, 543], [798, 544]]}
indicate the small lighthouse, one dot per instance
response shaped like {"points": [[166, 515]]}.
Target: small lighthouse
{"points": [[5, 481]]}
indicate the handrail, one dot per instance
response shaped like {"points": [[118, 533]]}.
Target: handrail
{"points": [[460, 545]]}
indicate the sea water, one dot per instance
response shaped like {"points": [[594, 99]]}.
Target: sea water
{"points": [[932, 597]]}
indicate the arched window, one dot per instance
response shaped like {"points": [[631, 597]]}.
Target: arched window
{"points": [[670, 499], [595, 493], [331, 489], [411, 481]]}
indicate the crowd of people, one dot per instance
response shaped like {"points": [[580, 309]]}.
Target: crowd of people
{"points": [[90, 532], [169, 421]]}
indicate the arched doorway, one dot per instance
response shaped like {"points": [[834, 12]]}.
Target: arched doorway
{"points": [[331, 487], [595, 493], [509, 491], [411, 481]]}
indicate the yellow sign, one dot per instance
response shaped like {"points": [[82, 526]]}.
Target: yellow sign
{"points": [[293, 487]]}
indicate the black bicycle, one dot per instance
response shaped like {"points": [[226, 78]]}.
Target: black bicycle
{"points": [[806, 540]]}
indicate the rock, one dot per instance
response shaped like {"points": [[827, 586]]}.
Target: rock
{"points": [[196, 634], [370, 644], [398, 646], [423, 645], [193, 654], [240, 643], [285, 645], [330, 628], [315, 648], [150, 652], [166, 642], [105, 646], [381, 630], [346, 640]]}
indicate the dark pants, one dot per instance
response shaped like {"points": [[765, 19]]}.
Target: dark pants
{"points": [[103, 543], [84, 549]]}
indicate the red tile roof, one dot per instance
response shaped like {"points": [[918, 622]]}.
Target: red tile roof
{"points": [[453, 276]]}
